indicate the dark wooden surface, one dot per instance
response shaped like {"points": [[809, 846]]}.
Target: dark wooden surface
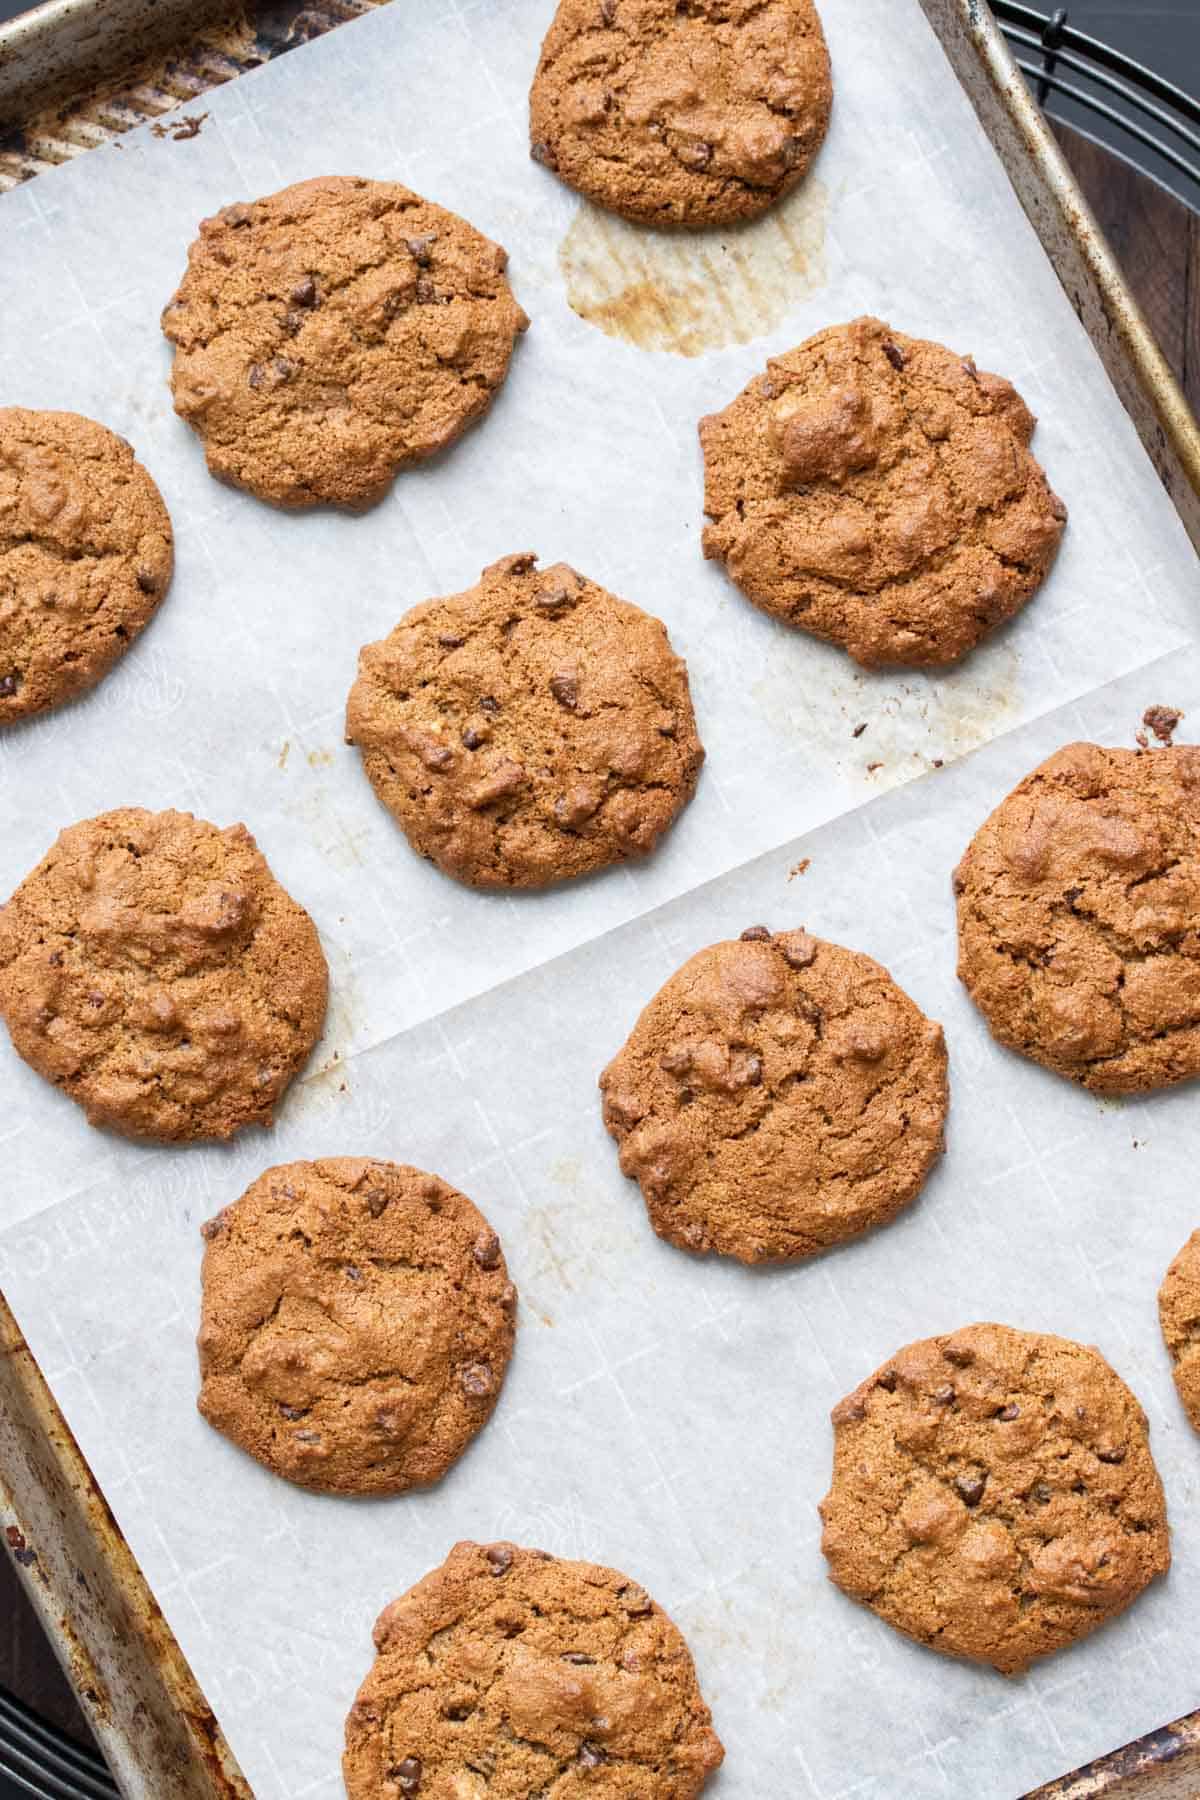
{"points": [[1157, 240]]}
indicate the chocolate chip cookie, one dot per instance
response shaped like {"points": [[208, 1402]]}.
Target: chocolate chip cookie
{"points": [[153, 969], [333, 333], [1077, 908], [994, 1495], [778, 1095], [510, 1673], [878, 491], [86, 554], [1179, 1314], [356, 1324], [527, 730], [696, 114]]}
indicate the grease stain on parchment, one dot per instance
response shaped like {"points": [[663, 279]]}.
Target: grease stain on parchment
{"points": [[687, 293], [914, 722]]}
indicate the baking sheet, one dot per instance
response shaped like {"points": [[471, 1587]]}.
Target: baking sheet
{"points": [[663, 1415]]}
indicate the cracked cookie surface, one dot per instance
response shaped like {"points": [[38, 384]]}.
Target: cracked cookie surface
{"points": [[878, 491], [994, 1495], [1077, 908], [1179, 1315], [153, 969], [507, 1673], [333, 333], [696, 114], [356, 1324], [86, 554], [778, 1095], [530, 729]]}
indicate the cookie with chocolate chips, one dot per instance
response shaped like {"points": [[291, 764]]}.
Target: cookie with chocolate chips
{"points": [[86, 554], [356, 1324], [994, 1495], [779, 1095], [878, 491], [153, 969], [530, 729], [696, 114], [1077, 907], [1179, 1315], [510, 1673], [334, 333]]}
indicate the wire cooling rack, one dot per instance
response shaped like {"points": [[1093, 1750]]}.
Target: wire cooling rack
{"points": [[1134, 113]]}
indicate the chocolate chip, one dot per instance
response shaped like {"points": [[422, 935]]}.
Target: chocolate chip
{"points": [[471, 738], [419, 247], [487, 1250], [476, 1379], [542, 153], [959, 1355], [427, 293], [798, 948], [305, 293], [9, 685], [969, 1488], [756, 934], [1009, 1412], [499, 1557], [752, 1071], [591, 1756], [238, 214], [887, 1381], [549, 597], [608, 11], [308, 1437], [147, 580], [55, 959], [695, 156], [408, 1775], [352, 1273], [376, 1202], [942, 1396], [636, 1601], [292, 1412], [255, 377], [282, 369], [1116, 1454], [894, 354], [970, 369], [565, 689], [1041, 1494], [1162, 721], [448, 641], [577, 1656], [489, 705]]}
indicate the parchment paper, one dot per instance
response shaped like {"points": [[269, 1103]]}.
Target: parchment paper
{"points": [[665, 1415]]}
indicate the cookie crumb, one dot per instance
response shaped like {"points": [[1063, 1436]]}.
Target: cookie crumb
{"points": [[800, 868]]}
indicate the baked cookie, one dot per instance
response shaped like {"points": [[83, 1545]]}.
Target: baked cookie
{"points": [[334, 333], [512, 1672], [529, 729], [85, 556], [1179, 1314], [698, 114], [153, 969], [878, 491], [356, 1324], [994, 1495], [778, 1095], [1077, 907]]}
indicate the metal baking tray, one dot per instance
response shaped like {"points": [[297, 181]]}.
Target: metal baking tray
{"points": [[74, 73]]}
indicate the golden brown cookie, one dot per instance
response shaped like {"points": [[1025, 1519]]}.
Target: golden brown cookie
{"points": [[1179, 1314], [1078, 902], [507, 1673], [878, 491], [153, 969], [778, 1095], [86, 554], [693, 114], [527, 730], [356, 1324], [335, 332], [994, 1495]]}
